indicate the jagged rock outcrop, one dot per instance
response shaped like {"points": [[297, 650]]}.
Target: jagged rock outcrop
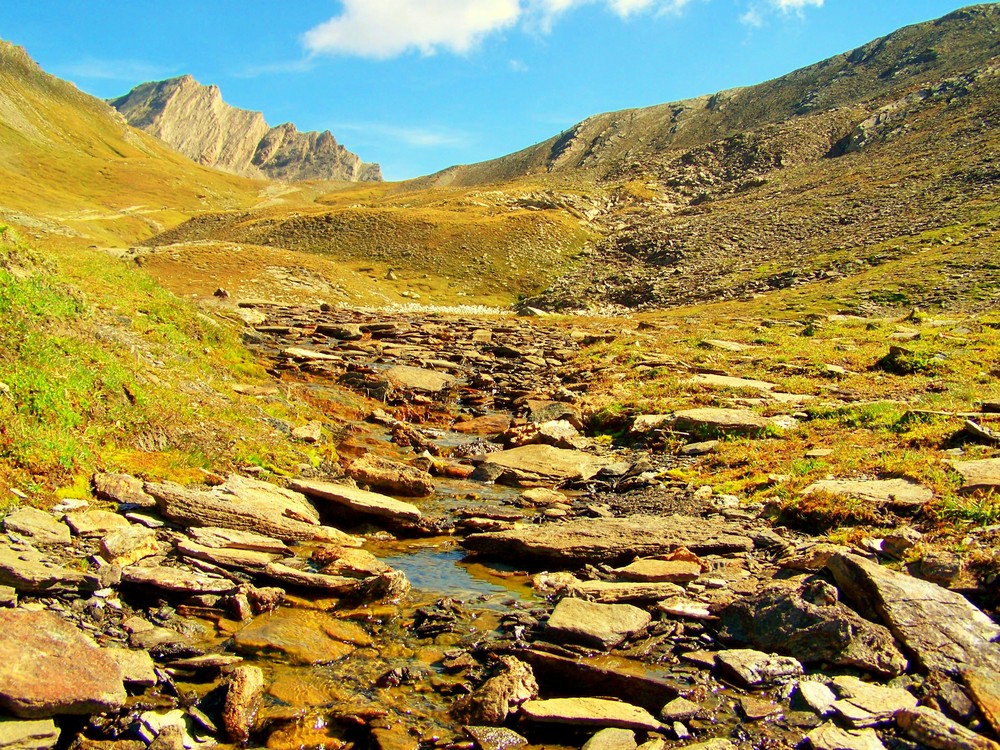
{"points": [[197, 122]]}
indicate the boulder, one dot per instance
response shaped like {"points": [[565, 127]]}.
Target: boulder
{"points": [[391, 477], [38, 526], [753, 669], [244, 689], [894, 492], [590, 712], [610, 540], [537, 465], [940, 628], [418, 379], [49, 667], [130, 545], [785, 622], [933, 729], [359, 501], [602, 626]]}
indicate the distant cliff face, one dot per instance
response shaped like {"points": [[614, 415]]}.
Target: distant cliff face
{"points": [[194, 120]]}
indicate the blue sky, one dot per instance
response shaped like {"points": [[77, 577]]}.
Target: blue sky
{"points": [[419, 85]]}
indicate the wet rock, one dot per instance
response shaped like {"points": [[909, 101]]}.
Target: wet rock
{"points": [[244, 689], [95, 523], [984, 688], [783, 621], [719, 421], [755, 709], [246, 505], [494, 738], [38, 526], [49, 667], [227, 558], [207, 661], [39, 734], [982, 475], [751, 668], [122, 489], [350, 562], [136, 666], [864, 704], [610, 539], [392, 477], [331, 584], [394, 738], [418, 380], [832, 737], [181, 580], [511, 685], [164, 643], [660, 571], [492, 424], [679, 709], [359, 501], [586, 712], [534, 465], [165, 731], [602, 626], [612, 739], [29, 571], [130, 545], [895, 492], [297, 636], [941, 628], [935, 730]]}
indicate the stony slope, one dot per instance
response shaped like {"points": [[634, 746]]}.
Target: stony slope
{"points": [[197, 122]]}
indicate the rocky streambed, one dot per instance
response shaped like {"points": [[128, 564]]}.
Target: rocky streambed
{"points": [[473, 572]]}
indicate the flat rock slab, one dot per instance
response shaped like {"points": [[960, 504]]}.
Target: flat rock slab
{"points": [[600, 625], [933, 729], [298, 352], [418, 379], [48, 667], [123, 489], [612, 739], [95, 523], [610, 539], [130, 545], [220, 538], [978, 475], [720, 421], [246, 505], [728, 381], [939, 627], [181, 580], [359, 501], [36, 734], [755, 668], [392, 477], [295, 635], [984, 688], [831, 737], [864, 704], [534, 465], [227, 558], [615, 592], [590, 712], [660, 571], [37, 525], [29, 571], [901, 492], [331, 584]]}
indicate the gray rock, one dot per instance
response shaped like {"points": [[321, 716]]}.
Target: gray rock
{"points": [[611, 539], [783, 621], [39, 734], [940, 628], [49, 667], [935, 730], [817, 696], [832, 737], [534, 465], [359, 501], [864, 704], [895, 492], [755, 668], [38, 526], [599, 625], [590, 712], [982, 475], [612, 739]]}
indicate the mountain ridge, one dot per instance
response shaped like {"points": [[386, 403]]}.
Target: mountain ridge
{"points": [[196, 121]]}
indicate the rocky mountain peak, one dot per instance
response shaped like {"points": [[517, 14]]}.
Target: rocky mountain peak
{"points": [[196, 121]]}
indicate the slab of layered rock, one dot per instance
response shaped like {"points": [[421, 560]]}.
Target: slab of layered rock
{"points": [[36, 734], [49, 667], [933, 729], [220, 538], [129, 545], [29, 571], [511, 685], [395, 478], [783, 621], [121, 488], [901, 492], [610, 539], [590, 712], [864, 704], [831, 737], [179, 580], [359, 501], [418, 379], [226, 557], [720, 421], [534, 465], [616, 592], [600, 625], [340, 585], [940, 628], [246, 505], [660, 571], [984, 688], [979, 475], [38, 526], [95, 523]]}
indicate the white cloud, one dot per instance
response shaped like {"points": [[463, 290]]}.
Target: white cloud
{"points": [[387, 28], [382, 29], [417, 137], [757, 12], [788, 6], [115, 70]]}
